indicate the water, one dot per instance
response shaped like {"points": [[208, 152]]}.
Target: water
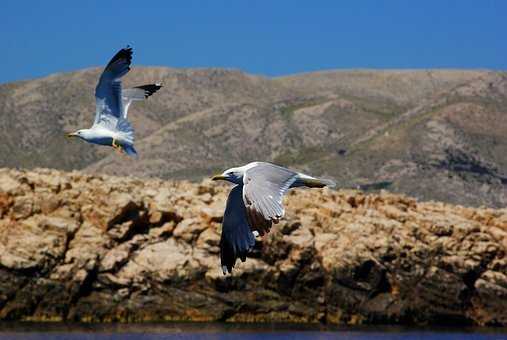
{"points": [[39, 331]]}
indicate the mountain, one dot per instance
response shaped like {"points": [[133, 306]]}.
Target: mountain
{"points": [[433, 134]]}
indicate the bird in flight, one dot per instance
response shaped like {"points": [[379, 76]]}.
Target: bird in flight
{"points": [[111, 127], [254, 204]]}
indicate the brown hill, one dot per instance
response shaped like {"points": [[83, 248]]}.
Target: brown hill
{"points": [[433, 134], [97, 248]]}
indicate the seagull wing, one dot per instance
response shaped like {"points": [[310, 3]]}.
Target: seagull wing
{"points": [[264, 187], [237, 238], [136, 94], [108, 99]]}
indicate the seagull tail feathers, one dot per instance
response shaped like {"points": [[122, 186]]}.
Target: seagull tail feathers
{"points": [[130, 150], [318, 182]]}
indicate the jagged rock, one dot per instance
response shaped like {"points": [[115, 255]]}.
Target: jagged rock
{"points": [[163, 261], [164, 231], [209, 240], [189, 229], [116, 257], [98, 248], [22, 207]]}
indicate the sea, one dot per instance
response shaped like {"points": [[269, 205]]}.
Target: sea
{"points": [[214, 331]]}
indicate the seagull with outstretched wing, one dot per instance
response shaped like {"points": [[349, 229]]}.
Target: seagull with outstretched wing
{"points": [[111, 127], [254, 204]]}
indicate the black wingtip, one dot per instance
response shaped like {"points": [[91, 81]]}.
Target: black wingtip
{"points": [[124, 53], [227, 257], [231, 251], [150, 89]]}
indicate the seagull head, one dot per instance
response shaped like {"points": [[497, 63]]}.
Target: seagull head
{"points": [[233, 175], [83, 134]]}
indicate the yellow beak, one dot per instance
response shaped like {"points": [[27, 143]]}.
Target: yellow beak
{"points": [[70, 134], [218, 177]]}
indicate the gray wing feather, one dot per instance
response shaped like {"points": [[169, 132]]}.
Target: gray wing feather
{"points": [[137, 93], [264, 187], [108, 92]]}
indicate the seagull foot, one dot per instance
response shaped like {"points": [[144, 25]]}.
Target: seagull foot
{"points": [[117, 147]]}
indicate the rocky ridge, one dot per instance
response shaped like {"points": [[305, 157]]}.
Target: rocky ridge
{"points": [[101, 248]]}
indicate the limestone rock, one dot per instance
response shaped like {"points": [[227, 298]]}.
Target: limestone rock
{"points": [[99, 248]]}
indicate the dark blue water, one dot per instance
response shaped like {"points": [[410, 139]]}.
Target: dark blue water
{"points": [[38, 331]]}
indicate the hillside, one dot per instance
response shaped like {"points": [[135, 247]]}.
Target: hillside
{"points": [[78, 247], [433, 134]]}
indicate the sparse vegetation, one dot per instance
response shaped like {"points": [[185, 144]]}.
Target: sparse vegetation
{"points": [[209, 119], [287, 109]]}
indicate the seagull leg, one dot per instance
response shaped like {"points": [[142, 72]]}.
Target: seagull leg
{"points": [[117, 147]]}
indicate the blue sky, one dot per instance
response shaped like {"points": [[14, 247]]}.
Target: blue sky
{"points": [[262, 37]]}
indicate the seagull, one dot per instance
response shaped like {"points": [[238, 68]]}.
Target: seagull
{"points": [[111, 127], [254, 203]]}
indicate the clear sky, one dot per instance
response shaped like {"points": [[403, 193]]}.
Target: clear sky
{"points": [[264, 37]]}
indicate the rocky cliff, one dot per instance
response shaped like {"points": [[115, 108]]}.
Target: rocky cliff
{"points": [[98, 248]]}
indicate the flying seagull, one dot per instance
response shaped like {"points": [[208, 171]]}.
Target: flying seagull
{"points": [[111, 126], [254, 204]]}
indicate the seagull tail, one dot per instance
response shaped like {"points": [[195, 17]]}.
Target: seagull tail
{"points": [[311, 182], [130, 150]]}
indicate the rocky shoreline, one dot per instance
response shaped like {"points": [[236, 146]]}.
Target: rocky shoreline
{"points": [[76, 247]]}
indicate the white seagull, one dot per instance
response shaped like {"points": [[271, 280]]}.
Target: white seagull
{"points": [[254, 204], [111, 127]]}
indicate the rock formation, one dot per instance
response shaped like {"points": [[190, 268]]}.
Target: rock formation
{"points": [[101, 248]]}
